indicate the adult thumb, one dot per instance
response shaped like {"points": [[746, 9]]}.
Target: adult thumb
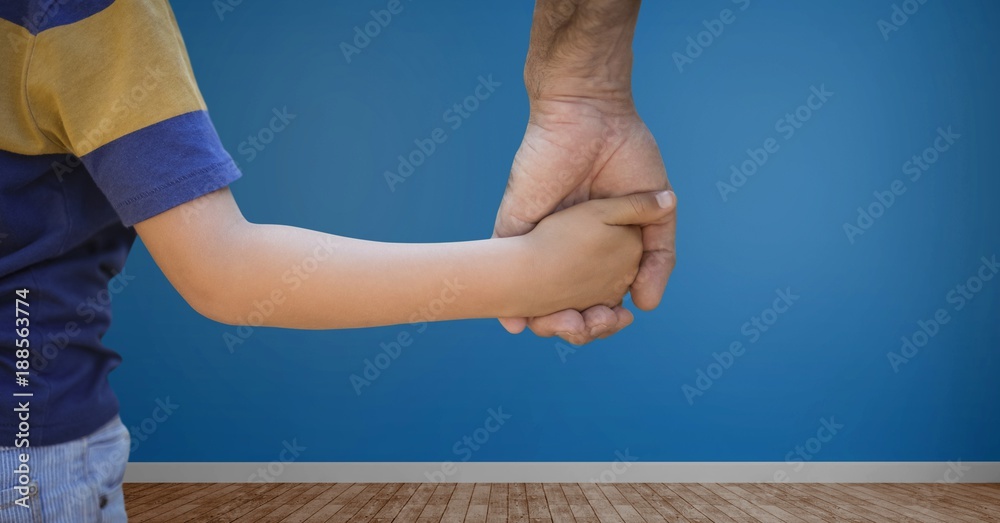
{"points": [[639, 208]]}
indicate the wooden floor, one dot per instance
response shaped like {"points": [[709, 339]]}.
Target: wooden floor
{"points": [[559, 502]]}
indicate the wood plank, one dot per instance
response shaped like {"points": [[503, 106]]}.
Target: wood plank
{"points": [[986, 490], [627, 512], [643, 507], [950, 497], [437, 503], [517, 503], [903, 505], [395, 503], [270, 509], [741, 499], [415, 505], [720, 497], [158, 496], [558, 506], [262, 495], [685, 508], [779, 504], [878, 510], [605, 511], [578, 504], [538, 508], [712, 512], [275, 509], [308, 509], [207, 504], [458, 504], [562, 503], [821, 508], [173, 507], [855, 505], [497, 512], [338, 511], [132, 490], [479, 504], [662, 506]]}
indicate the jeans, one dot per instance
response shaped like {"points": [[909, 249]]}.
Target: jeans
{"points": [[79, 481]]}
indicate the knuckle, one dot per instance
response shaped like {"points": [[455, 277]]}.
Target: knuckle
{"points": [[668, 261], [637, 204]]}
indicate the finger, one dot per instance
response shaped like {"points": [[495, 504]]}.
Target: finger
{"points": [[507, 225], [658, 260], [576, 339], [514, 325], [639, 209], [562, 323], [525, 202], [624, 319], [599, 320]]}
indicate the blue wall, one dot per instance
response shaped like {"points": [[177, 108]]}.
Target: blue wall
{"points": [[655, 389]]}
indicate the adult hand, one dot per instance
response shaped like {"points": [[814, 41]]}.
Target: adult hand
{"points": [[573, 151]]}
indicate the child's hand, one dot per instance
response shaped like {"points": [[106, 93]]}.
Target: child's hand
{"points": [[588, 254]]}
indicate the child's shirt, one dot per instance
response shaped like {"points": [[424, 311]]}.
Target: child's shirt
{"points": [[101, 126]]}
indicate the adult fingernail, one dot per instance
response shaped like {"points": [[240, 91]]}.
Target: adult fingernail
{"points": [[665, 199]]}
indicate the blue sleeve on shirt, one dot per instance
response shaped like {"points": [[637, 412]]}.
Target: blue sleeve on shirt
{"points": [[159, 167]]}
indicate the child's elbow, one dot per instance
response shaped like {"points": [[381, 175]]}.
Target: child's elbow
{"points": [[213, 301], [216, 310]]}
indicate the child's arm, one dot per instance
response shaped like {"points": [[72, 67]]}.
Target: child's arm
{"points": [[228, 268]]}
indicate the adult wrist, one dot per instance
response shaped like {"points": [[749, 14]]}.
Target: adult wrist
{"points": [[601, 82], [582, 49]]}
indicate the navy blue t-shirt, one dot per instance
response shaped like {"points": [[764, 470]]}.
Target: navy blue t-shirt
{"points": [[101, 126]]}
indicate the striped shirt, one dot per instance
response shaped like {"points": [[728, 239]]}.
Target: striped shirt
{"points": [[101, 127]]}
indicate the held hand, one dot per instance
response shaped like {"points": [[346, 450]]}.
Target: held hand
{"points": [[589, 254], [572, 152]]}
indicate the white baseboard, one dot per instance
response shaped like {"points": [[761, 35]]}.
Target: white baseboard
{"points": [[568, 472]]}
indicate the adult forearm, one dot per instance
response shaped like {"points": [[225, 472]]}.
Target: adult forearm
{"points": [[582, 49]]}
